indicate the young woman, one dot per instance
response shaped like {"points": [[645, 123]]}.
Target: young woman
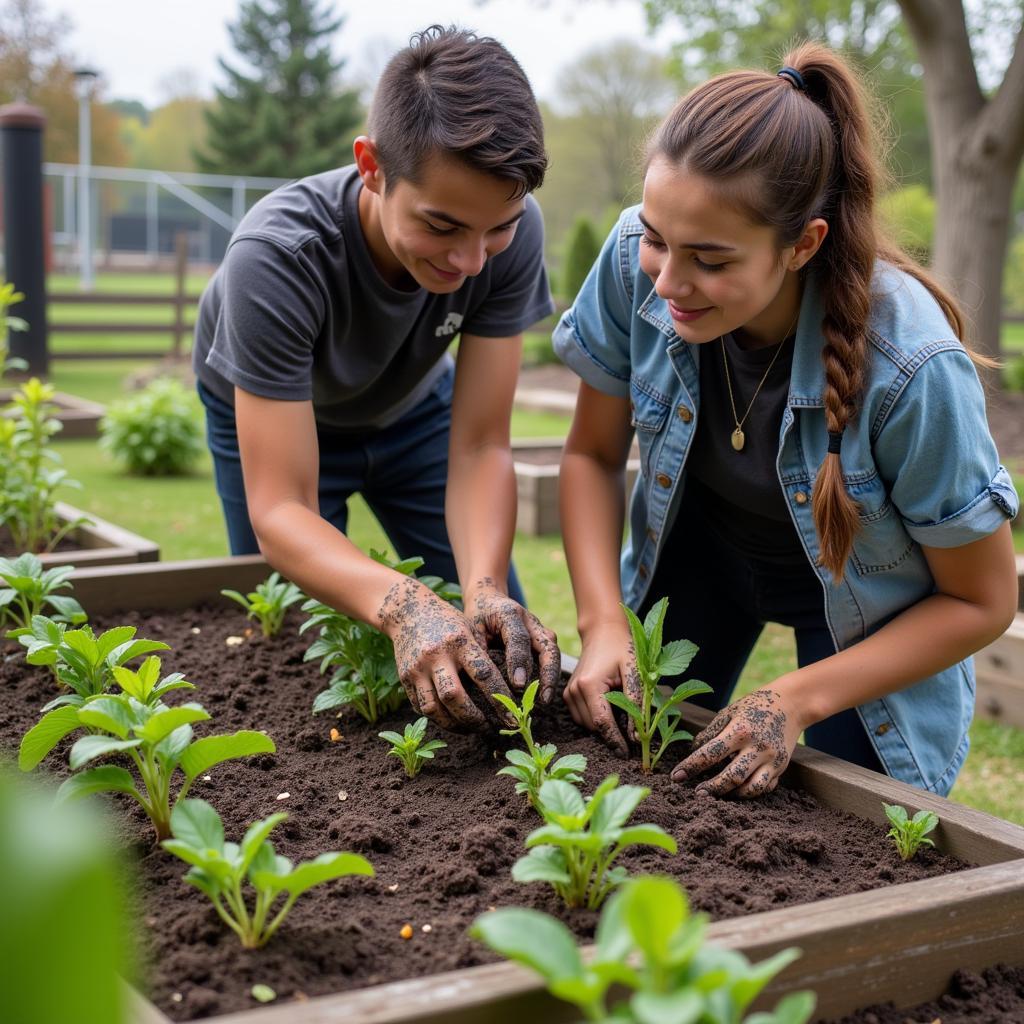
{"points": [[813, 442]]}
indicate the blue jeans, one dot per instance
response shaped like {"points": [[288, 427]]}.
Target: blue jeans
{"points": [[401, 472], [721, 601]]}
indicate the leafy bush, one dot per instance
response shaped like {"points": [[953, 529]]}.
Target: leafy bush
{"points": [[1013, 374], [156, 432], [26, 589], [909, 213], [649, 944], [219, 868], [582, 248]]}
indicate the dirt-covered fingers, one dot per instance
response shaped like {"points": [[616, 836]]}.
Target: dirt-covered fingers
{"points": [[453, 701], [632, 688], [549, 657], [485, 675], [518, 649], [745, 766], [717, 745], [761, 782], [589, 708], [419, 688]]}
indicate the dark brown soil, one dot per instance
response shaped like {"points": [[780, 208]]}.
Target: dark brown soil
{"points": [[442, 844], [995, 996]]}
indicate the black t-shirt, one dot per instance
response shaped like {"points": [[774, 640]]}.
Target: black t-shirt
{"points": [[298, 311]]}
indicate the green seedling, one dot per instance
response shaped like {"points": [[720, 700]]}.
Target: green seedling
{"points": [[576, 849], [365, 675], [649, 944], [219, 868], [410, 748], [156, 738], [86, 663], [268, 603], [532, 768], [909, 833], [657, 715], [10, 296], [27, 589]]}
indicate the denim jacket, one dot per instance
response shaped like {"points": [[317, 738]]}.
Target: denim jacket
{"points": [[917, 458]]}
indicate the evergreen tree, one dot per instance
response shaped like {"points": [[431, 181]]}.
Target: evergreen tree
{"points": [[581, 251], [290, 117]]}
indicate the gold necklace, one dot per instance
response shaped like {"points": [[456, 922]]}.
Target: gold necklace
{"points": [[739, 439]]}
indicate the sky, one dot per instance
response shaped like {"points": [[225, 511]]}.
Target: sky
{"points": [[140, 45]]}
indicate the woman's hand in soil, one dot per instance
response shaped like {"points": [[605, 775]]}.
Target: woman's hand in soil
{"points": [[758, 733], [606, 663], [433, 643], [496, 618]]}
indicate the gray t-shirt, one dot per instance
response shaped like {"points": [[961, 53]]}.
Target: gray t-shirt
{"points": [[298, 311]]}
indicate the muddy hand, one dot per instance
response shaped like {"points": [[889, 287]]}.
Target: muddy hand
{"points": [[433, 642], [495, 616], [756, 734]]}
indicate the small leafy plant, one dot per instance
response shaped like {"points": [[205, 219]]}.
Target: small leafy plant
{"points": [[87, 664], [909, 833], [576, 849], [156, 432], [651, 945], [26, 589], [532, 768], [268, 603], [157, 739], [657, 715], [10, 296], [219, 869], [410, 748], [365, 675]]}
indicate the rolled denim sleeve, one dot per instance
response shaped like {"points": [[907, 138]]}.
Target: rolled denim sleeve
{"points": [[940, 461], [593, 337]]}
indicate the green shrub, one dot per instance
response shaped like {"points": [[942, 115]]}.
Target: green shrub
{"points": [[1013, 374], [157, 432], [582, 248], [909, 213]]}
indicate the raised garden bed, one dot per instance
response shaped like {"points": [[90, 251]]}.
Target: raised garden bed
{"points": [[97, 542], [1000, 669], [447, 838], [80, 416], [536, 464]]}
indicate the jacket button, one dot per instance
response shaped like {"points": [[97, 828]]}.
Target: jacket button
{"points": [[685, 414], [882, 729], [664, 479], [642, 571], [800, 498]]}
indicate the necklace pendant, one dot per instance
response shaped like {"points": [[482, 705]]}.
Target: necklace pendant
{"points": [[738, 439]]}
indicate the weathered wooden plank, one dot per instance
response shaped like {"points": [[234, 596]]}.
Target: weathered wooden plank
{"points": [[99, 542]]}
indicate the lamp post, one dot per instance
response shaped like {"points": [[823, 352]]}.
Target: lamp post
{"points": [[85, 82]]}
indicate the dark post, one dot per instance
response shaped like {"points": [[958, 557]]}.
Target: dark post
{"points": [[180, 281], [21, 146]]}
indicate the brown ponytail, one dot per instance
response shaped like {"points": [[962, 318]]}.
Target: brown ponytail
{"points": [[787, 155]]}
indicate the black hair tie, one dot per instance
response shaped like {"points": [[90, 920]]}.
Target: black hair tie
{"points": [[835, 441], [795, 77]]}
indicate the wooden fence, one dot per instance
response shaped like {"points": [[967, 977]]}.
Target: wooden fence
{"points": [[178, 303]]}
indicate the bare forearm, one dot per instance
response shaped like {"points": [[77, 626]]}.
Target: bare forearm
{"points": [[592, 507], [480, 510], [928, 637]]}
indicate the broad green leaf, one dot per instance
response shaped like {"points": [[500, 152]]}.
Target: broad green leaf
{"points": [[136, 647], [613, 939], [596, 798], [107, 641], [895, 813], [102, 779], [654, 909], [675, 657], [196, 823], [171, 747], [506, 702], [68, 608], [570, 763], [205, 753], [328, 699], [925, 821], [254, 838], [83, 641], [523, 774], [745, 989], [615, 808], [648, 835], [691, 688], [683, 1007], [562, 799], [392, 737], [323, 869], [430, 746], [108, 714], [542, 864], [519, 757], [531, 938], [636, 630], [45, 735], [620, 700], [654, 624], [582, 991], [530, 697], [796, 1008], [163, 722], [88, 748], [416, 730]]}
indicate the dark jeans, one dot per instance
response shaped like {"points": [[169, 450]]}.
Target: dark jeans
{"points": [[720, 600], [400, 471]]}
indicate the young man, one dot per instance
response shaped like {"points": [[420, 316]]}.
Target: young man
{"points": [[321, 355]]}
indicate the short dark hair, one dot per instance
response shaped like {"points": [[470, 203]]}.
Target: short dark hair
{"points": [[454, 93]]}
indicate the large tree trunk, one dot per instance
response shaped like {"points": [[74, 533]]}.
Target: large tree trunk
{"points": [[977, 145]]}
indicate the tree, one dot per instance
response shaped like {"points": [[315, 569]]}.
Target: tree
{"points": [[976, 139], [35, 69], [581, 251], [620, 90], [167, 142], [290, 117]]}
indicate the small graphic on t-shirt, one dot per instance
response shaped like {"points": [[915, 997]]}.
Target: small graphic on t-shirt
{"points": [[451, 325]]}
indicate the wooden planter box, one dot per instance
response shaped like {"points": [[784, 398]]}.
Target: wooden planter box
{"points": [[901, 943], [1000, 669], [99, 543], [81, 418], [536, 465]]}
